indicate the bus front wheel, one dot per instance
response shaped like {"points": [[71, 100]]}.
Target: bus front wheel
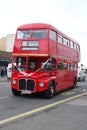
{"points": [[15, 92], [50, 92]]}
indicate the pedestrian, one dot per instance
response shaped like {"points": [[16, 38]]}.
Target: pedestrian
{"points": [[2, 72]]}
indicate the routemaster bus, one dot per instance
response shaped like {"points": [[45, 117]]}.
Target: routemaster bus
{"points": [[44, 59]]}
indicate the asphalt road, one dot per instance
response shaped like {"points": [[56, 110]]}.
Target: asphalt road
{"points": [[66, 111]]}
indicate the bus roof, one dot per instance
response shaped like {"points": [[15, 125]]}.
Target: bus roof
{"points": [[36, 25], [43, 26]]}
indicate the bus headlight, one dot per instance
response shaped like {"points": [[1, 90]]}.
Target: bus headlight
{"points": [[13, 81], [41, 84]]}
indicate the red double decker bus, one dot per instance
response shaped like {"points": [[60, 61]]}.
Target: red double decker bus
{"points": [[43, 60]]}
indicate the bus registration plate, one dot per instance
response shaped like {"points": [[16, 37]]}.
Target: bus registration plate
{"points": [[26, 91]]}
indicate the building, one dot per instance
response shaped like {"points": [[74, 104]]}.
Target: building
{"points": [[6, 43], [6, 48], [10, 42], [3, 44], [5, 58]]}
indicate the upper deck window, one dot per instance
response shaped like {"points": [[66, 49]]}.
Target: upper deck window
{"points": [[71, 44], [66, 41], [78, 48], [52, 35], [60, 38], [41, 33], [23, 34], [75, 46]]}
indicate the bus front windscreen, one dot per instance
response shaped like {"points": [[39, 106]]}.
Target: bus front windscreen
{"points": [[41, 33], [19, 63], [23, 34], [36, 33]]}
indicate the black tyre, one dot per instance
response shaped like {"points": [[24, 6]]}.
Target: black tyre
{"points": [[50, 92], [15, 92]]}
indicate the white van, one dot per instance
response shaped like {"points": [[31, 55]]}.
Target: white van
{"points": [[9, 71], [81, 74]]}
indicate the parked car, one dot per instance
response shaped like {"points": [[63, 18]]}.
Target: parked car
{"points": [[81, 74]]}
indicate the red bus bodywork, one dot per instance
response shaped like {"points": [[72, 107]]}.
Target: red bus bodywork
{"points": [[44, 60]]}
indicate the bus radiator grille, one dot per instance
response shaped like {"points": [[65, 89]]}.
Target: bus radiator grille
{"points": [[30, 85], [26, 84], [22, 84]]}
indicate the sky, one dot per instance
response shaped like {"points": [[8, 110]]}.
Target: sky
{"points": [[69, 16]]}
